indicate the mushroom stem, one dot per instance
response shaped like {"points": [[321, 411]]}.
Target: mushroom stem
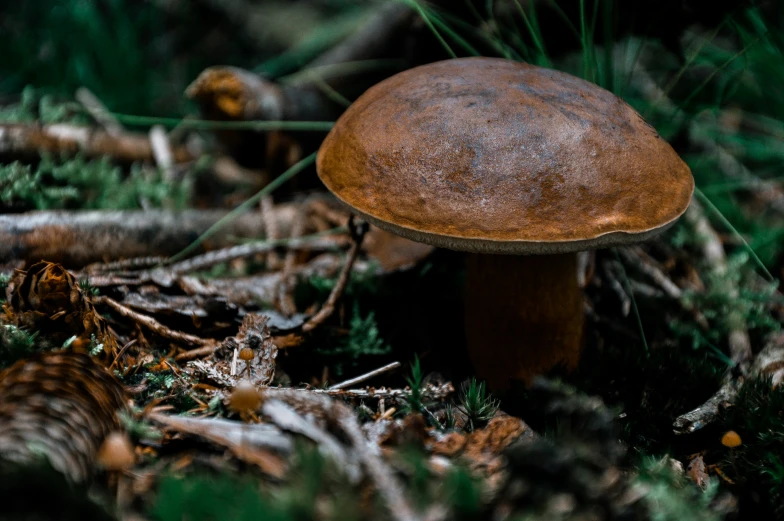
{"points": [[523, 315]]}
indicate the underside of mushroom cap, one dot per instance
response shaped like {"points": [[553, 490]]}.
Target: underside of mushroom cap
{"points": [[490, 155]]}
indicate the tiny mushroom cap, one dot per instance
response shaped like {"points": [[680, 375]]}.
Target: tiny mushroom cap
{"points": [[246, 354], [245, 397], [731, 439], [522, 167], [116, 452]]}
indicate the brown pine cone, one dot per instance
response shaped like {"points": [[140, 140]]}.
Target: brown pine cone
{"points": [[60, 405], [47, 298]]}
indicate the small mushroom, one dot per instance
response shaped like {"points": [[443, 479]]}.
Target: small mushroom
{"points": [[245, 398], [246, 354], [116, 455], [520, 166], [116, 452], [731, 439]]}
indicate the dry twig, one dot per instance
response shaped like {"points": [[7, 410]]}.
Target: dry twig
{"points": [[647, 265], [152, 324], [364, 377], [358, 231]]}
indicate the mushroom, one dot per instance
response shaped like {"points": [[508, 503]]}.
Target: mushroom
{"points": [[520, 166]]}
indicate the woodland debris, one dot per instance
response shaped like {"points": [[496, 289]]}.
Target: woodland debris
{"points": [[78, 238], [299, 398], [697, 472], [48, 299], [363, 377], [213, 258], [62, 405], [153, 325], [287, 419], [31, 140], [254, 335], [235, 93], [769, 363], [262, 289], [261, 444], [369, 454], [358, 231], [126, 240], [648, 265], [738, 339], [187, 306]]}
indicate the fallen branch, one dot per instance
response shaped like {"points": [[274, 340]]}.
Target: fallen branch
{"points": [[152, 324], [31, 140], [429, 392], [78, 238], [207, 260]]}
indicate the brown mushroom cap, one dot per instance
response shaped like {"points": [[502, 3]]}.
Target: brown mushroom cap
{"points": [[116, 452], [491, 155]]}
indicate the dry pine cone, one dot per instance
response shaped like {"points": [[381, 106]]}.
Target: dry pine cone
{"points": [[48, 299], [61, 405]]}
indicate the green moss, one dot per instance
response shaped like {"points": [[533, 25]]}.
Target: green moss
{"points": [[81, 184], [15, 344], [363, 340]]}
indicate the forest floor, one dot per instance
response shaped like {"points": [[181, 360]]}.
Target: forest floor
{"points": [[167, 249]]}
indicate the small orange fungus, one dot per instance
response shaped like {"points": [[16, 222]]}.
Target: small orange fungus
{"points": [[731, 439]]}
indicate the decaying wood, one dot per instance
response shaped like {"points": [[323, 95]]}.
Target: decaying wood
{"points": [[239, 94], [78, 238], [193, 354], [31, 139]]}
